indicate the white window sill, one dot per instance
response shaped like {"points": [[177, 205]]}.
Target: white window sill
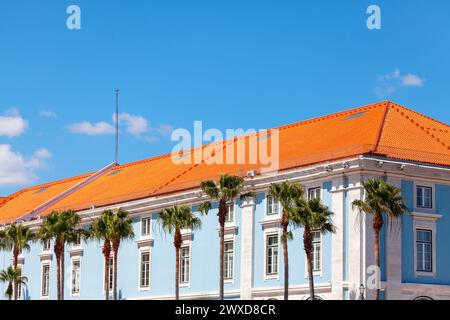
{"points": [[185, 285], [272, 277], [424, 274], [144, 289]]}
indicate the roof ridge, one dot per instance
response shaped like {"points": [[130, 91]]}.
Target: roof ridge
{"points": [[387, 107], [334, 115], [394, 104], [423, 128]]}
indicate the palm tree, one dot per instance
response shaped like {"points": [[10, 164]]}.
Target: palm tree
{"points": [[172, 221], [311, 215], [62, 228], [225, 191], [121, 229], [381, 197], [100, 231], [17, 238], [12, 276], [285, 193]]}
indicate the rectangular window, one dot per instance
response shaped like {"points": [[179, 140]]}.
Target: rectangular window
{"points": [[46, 245], [146, 224], [314, 193], [185, 261], [19, 285], [272, 254], [317, 250], [76, 269], [423, 250], [424, 197], [145, 270], [229, 260], [77, 242], [45, 284], [230, 213], [272, 206], [110, 274]]}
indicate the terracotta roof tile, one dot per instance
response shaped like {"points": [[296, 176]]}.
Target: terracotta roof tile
{"points": [[384, 128]]}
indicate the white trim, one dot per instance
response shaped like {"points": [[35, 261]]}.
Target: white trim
{"points": [[72, 260], [143, 250], [49, 263], [425, 221], [429, 184], [141, 225], [231, 238], [186, 244], [318, 273], [272, 215], [267, 233]]}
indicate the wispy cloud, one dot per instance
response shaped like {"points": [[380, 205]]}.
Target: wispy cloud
{"points": [[47, 114], [388, 83], [12, 124], [92, 129], [15, 169], [135, 125]]}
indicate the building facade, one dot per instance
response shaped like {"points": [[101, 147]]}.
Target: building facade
{"points": [[415, 257]]}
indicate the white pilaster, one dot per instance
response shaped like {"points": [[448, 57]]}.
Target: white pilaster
{"points": [[247, 241], [337, 239], [355, 238]]}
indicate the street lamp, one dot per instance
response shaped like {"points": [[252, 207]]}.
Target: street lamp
{"points": [[361, 291]]}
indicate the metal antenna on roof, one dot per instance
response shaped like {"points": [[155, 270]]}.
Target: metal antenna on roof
{"points": [[117, 126]]}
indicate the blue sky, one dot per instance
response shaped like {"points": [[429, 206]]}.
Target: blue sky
{"points": [[231, 64]]}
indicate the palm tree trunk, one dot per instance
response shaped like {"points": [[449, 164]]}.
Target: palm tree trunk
{"points": [[222, 216], [177, 242], [284, 223], [116, 244], [377, 224], [58, 274], [62, 270], [10, 286], [106, 254], [15, 264], [307, 243]]}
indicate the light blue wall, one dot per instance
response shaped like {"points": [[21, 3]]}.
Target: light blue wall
{"points": [[295, 250], [442, 194]]}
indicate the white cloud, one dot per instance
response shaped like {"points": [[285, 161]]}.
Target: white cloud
{"points": [[411, 80], [389, 83], [47, 114], [12, 124], [135, 125], [92, 129], [15, 169], [165, 130]]}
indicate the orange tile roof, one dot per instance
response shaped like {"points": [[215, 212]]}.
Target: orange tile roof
{"points": [[378, 129]]}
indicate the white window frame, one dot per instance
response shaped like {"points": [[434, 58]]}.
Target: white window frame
{"points": [[231, 238], [45, 263], [186, 284], [141, 252], [314, 188], [111, 265], [233, 214], [149, 219], [430, 242], [425, 221], [427, 184], [272, 215], [44, 249], [77, 294], [318, 273], [271, 232]]}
